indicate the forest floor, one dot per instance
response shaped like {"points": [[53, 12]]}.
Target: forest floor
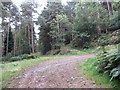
{"points": [[60, 73]]}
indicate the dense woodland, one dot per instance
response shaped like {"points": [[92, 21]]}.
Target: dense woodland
{"points": [[78, 24]]}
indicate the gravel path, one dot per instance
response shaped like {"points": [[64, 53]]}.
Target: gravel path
{"points": [[62, 73]]}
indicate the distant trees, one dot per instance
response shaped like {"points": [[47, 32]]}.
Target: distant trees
{"points": [[89, 16], [14, 24], [8, 43], [60, 32], [7, 20], [114, 23], [48, 14], [22, 42], [70, 10], [27, 21], [77, 24]]}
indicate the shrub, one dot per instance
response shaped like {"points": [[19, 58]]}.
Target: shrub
{"points": [[15, 58], [64, 51], [53, 52], [114, 37], [108, 38], [36, 55], [27, 56], [109, 63], [3, 59]]}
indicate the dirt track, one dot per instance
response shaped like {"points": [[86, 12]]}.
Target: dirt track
{"points": [[62, 73]]}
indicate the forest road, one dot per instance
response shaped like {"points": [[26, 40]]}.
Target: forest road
{"points": [[61, 73]]}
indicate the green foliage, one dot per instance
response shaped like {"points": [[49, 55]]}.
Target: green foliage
{"points": [[115, 73], [69, 10], [101, 79], [44, 21], [10, 42], [18, 58], [103, 39], [13, 59], [84, 25], [44, 40], [60, 29], [53, 52], [22, 57], [3, 59], [114, 37], [22, 43], [6, 59], [91, 19], [109, 62], [108, 38], [27, 56], [114, 22], [24, 48], [36, 55]]}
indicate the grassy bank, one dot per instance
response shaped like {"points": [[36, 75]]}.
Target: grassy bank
{"points": [[9, 70], [95, 50], [103, 80]]}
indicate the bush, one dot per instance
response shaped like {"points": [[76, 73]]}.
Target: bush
{"points": [[3, 59], [27, 56], [6, 59], [64, 51], [37, 55], [109, 63], [114, 37], [15, 58], [53, 52], [108, 38]]}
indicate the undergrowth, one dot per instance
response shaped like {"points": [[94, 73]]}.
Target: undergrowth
{"points": [[101, 79]]}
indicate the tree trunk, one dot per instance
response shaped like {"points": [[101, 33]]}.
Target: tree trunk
{"points": [[19, 42], [15, 40], [15, 44], [109, 6], [99, 29], [7, 38], [28, 29], [19, 47], [33, 49], [58, 32]]}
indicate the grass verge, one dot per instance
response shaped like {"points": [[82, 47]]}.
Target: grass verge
{"points": [[9, 70], [95, 50], [100, 79]]}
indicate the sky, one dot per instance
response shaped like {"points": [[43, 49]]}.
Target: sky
{"points": [[40, 2]]}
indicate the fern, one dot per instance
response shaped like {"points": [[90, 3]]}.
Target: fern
{"points": [[109, 63]]}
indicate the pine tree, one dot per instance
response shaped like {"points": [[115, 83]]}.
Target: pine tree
{"points": [[44, 20], [10, 42]]}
